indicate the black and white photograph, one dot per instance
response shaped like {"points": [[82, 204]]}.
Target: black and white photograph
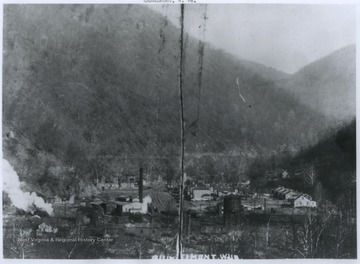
{"points": [[179, 130]]}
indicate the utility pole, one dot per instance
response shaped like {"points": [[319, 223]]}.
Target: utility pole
{"points": [[140, 184], [182, 123]]}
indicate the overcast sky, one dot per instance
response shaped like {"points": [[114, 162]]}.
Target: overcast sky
{"points": [[286, 37]]}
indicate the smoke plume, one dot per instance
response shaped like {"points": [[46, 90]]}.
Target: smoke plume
{"points": [[145, 203], [23, 200]]}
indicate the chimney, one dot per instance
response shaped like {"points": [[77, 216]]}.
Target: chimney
{"points": [[141, 185]]}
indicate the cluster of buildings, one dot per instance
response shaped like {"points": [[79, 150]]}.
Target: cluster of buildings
{"points": [[297, 199], [146, 216], [118, 182], [46, 229], [123, 205], [61, 199], [114, 182], [199, 191]]}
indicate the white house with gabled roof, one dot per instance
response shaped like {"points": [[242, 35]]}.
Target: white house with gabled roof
{"points": [[302, 201]]}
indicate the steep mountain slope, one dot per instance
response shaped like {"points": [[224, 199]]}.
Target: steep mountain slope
{"points": [[332, 162], [93, 90], [328, 85]]}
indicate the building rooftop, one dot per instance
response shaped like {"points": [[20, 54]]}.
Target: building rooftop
{"points": [[201, 189]]}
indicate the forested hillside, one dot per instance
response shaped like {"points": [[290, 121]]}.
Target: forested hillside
{"points": [[331, 163], [327, 170], [328, 85], [92, 91]]}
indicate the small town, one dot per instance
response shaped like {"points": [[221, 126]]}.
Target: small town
{"points": [[179, 130], [133, 207]]}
